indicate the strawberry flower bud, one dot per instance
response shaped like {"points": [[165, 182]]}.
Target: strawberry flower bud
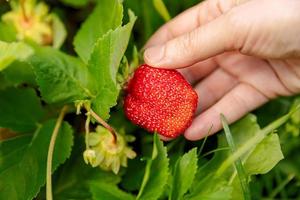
{"points": [[105, 152]]}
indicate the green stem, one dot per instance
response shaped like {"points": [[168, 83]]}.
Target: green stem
{"points": [[248, 146], [281, 186], [238, 162], [148, 167], [103, 123], [162, 9], [145, 178], [204, 141], [58, 123], [215, 150], [87, 129]]}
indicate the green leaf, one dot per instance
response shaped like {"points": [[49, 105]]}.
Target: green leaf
{"points": [[104, 65], [26, 171], [20, 109], [156, 172], [73, 178], [102, 190], [10, 52], [161, 9], [243, 178], [7, 32], [133, 177], [251, 142], [248, 137], [19, 73], [59, 32], [262, 159], [4, 82], [267, 153], [106, 16], [211, 188], [61, 78], [11, 149], [261, 156], [184, 173]]}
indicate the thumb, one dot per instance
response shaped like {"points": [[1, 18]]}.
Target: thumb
{"points": [[206, 41]]}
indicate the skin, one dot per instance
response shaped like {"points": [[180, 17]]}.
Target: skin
{"points": [[237, 54]]}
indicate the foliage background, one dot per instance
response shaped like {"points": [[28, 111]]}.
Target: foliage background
{"points": [[33, 79]]}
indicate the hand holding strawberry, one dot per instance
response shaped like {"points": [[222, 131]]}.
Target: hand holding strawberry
{"points": [[238, 54]]}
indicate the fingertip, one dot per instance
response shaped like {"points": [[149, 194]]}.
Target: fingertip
{"points": [[191, 136], [194, 132], [153, 56], [202, 127], [164, 138]]}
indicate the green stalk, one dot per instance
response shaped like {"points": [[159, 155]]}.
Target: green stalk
{"points": [[204, 141], [58, 123], [215, 150], [87, 130], [247, 146], [161, 9], [281, 186], [148, 168], [238, 162]]}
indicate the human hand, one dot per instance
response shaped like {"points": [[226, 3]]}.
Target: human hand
{"points": [[238, 56]]}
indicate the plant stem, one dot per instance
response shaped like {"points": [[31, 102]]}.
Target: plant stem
{"points": [[251, 143], [215, 150], [204, 141], [87, 129], [106, 125], [238, 162], [162, 9], [281, 186], [50, 152]]}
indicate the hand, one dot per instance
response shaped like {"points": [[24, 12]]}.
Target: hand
{"points": [[237, 56]]}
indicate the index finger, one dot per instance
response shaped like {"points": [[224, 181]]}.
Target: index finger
{"points": [[189, 20]]}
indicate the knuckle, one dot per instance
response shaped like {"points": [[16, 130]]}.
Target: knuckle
{"points": [[293, 84], [186, 44], [233, 29], [233, 19]]}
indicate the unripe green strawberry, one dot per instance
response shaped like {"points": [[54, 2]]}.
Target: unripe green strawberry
{"points": [[106, 154], [160, 100]]}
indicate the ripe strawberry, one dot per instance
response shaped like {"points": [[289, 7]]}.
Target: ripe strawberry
{"points": [[160, 100]]}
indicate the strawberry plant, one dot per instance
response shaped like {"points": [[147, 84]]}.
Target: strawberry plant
{"points": [[69, 95]]}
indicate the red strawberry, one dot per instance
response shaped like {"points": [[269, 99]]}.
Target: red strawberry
{"points": [[160, 100]]}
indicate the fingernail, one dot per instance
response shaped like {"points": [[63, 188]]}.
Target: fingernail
{"points": [[154, 55], [166, 139], [193, 132], [198, 131]]}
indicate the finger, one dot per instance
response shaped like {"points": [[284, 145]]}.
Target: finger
{"points": [[254, 71], [164, 138], [213, 87], [199, 70], [170, 29], [239, 101], [190, 20], [204, 42]]}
